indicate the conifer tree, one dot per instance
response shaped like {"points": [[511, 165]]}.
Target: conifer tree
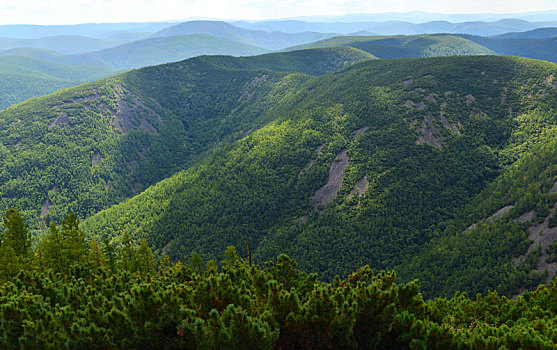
{"points": [[196, 262], [109, 252], [126, 257], [17, 235], [51, 249], [145, 260], [73, 238], [96, 257], [9, 262]]}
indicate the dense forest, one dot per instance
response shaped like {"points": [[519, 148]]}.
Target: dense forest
{"points": [[128, 132], [377, 192], [432, 167], [420, 147], [67, 292]]}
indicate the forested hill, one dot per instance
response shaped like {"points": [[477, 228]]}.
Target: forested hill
{"points": [[88, 147], [385, 163], [401, 46], [433, 45], [25, 77]]}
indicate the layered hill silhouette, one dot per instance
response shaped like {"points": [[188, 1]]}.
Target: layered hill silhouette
{"points": [[540, 33], [445, 45], [105, 49], [272, 40]]}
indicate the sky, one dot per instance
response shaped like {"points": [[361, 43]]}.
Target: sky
{"points": [[89, 11]]}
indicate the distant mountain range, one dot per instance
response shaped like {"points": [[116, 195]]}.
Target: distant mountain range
{"points": [[392, 27], [540, 33], [273, 40], [91, 51]]}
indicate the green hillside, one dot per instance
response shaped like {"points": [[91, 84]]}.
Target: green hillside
{"points": [[538, 48], [37, 72], [406, 46], [329, 60], [154, 51], [23, 78], [384, 163], [88, 147], [40, 54]]}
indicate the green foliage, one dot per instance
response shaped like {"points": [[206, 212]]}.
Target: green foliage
{"points": [[552, 253], [435, 45], [246, 307], [450, 141], [16, 235], [552, 222], [129, 132], [22, 78], [316, 61]]}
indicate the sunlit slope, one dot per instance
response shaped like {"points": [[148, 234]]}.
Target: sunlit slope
{"points": [[364, 166], [87, 147]]}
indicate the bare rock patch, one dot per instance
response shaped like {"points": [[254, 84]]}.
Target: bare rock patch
{"points": [[493, 217], [551, 81], [542, 236], [526, 217], [429, 133], [329, 191], [553, 189], [250, 87], [470, 99], [318, 152], [359, 189], [430, 98], [45, 208], [359, 133], [61, 121], [95, 160]]}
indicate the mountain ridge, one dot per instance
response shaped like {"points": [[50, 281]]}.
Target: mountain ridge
{"points": [[381, 215]]}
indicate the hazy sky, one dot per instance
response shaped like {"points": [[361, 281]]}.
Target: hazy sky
{"points": [[81, 11]]}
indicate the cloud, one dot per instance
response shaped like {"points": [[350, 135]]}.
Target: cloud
{"points": [[81, 11]]}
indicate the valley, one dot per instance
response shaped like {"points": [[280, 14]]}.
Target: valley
{"points": [[352, 181]]}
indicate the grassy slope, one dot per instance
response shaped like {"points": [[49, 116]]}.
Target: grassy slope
{"points": [[253, 189], [128, 132]]}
